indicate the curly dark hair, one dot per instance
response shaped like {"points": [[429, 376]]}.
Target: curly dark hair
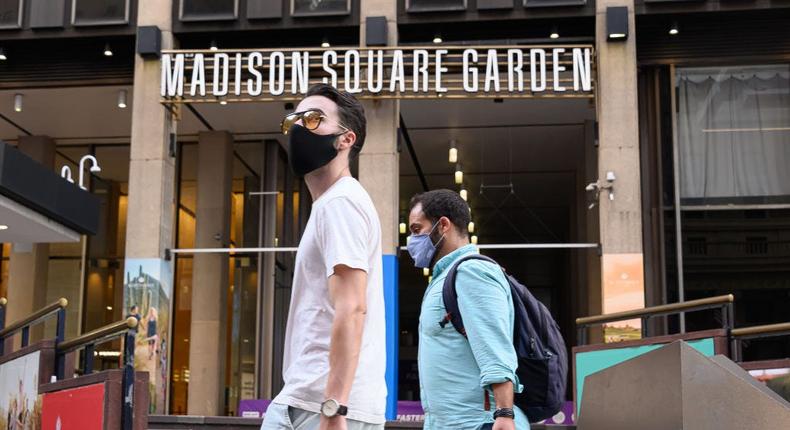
{"points": [[351, 111], [444, 203]]}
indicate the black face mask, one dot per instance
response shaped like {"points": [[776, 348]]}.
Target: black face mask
{"points": [[308, 151]]}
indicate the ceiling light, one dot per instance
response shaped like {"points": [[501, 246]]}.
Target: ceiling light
{"points": [[474, 239], [402, 228], [2, 55], [437, 38], [18, 102], [109, 308], [122, 99], [107, 50], [554, 33], [213, 46], [471, 227], [223, 102], [453, 158], [325, 44], [674, 29], [464, 194], [459, 175], [426, 271], [3, 227]]}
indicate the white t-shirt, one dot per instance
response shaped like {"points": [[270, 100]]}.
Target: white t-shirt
{"points": [[343, 229]]}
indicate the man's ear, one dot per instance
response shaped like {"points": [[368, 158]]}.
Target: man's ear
{"points": [[445, 224], [346, 140]]}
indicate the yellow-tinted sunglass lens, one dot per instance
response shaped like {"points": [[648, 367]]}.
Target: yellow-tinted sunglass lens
{"points": [[311, 119]]}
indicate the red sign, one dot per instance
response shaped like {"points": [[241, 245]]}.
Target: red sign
{"points": [[75, 409]]}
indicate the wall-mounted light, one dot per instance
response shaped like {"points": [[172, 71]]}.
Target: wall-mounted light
{"points": [[464, 194], [674, 29], [402, 228], [18, 102], [3, 57], [617, 23], [555, 34], [213, 46], [107, 50], [122, 99], [459, 175], [94, 168], [453, 155], [437, 38], [471, 227]]}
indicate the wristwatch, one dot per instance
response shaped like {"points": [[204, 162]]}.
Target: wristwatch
{"points": [[504, 413], [332, 408]]}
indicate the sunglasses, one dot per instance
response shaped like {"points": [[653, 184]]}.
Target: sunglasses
{"points": [[311, 119]]}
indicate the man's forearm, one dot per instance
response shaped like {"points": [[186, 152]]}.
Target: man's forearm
{"points": [[503, 394], [347, 329]]}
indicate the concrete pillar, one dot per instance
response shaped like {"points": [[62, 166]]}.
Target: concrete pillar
{"points": [[151, 202], [618, 152], [28, 264], [379, 174], [210, 275]]}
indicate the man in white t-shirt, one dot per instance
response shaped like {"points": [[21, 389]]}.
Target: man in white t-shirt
{"points": [[335, 355]]}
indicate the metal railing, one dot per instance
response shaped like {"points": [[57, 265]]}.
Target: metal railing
{"points": [[725, 303], [739, 335], [23, 325], [88, 342], [3, 304]]}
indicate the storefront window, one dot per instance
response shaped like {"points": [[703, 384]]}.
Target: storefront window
{"points": [[10, 13], [435, 5], [320, 7], [203, 10], [100, 12]]}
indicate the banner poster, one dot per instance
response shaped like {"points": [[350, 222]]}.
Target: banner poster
{"points": [[623, 290], [148, 290], [20, 406], [78, 408]]}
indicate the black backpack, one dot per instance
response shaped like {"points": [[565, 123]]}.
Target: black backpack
{"points": [[542, 358]]}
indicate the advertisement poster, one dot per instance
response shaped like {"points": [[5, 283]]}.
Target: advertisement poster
{"points": [[79, 408], [777, 380], [20, 407], [623, 290], [148, 288]]}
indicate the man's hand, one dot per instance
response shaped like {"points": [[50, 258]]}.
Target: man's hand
{"points": [[504, 424], [335, 423]]}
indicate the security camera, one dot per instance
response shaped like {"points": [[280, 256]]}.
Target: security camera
{"points": [[610, 176], [591, 186]]}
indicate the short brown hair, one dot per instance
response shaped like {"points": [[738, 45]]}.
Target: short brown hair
{"points": [[351, 111]]}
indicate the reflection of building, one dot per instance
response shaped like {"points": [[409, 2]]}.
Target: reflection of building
{"points": [[526, 163]]}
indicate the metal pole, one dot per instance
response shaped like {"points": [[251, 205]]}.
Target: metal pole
{"points": [[87, 362], [128, 380], [25, 336], [676, 175], [60, 329]]}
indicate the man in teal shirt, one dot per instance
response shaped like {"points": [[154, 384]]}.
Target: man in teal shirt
{"points": [[460, 376]]}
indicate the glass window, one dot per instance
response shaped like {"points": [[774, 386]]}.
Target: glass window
{"points": [[320, 7], [10, 13], [100, 12], [206, 10], [434, 5], [733, 129], [553, 3]]}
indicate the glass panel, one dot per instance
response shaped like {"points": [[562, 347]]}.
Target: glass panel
{"points": [[320, 7], [100, 11], [734, 134], [207, 9], [421, 5], [9, 13]]}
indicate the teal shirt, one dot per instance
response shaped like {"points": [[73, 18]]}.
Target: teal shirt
{"points": [[454, 371]]}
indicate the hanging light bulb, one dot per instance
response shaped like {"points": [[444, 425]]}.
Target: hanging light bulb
{"points": [[674, 30], [474, 239], [3, 57], [453, 158], [122, 99], [213, 46], [18, 102], [471, 227], [459, 175], [325, 43], [464, 194], [554, 33], [107, 50], [402, 228], [426, 271]]}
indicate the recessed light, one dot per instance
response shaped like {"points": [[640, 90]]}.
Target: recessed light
{"points": [[107, 50], [3, 227]]}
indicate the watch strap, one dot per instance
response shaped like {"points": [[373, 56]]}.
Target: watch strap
{"points": [[342, 410], [504, 413]]}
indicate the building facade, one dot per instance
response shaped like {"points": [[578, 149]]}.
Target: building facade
{"points": [[656, 175]]}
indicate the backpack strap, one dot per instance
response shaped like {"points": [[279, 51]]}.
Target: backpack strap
{"points": [[450, 296]]}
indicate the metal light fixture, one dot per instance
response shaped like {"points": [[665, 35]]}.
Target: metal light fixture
{"points": [[122, 99], [617, 23], [213, 46], [3, 57], [402, 228], [325, 43], [18, 102], [464, 194], [453, 157], [107, 50], [459, 175], [554, 33], [437, 38], [674, 30], [471, 227]]}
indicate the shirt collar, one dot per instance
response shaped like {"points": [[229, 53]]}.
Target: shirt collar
{"points": [[449, 259]]}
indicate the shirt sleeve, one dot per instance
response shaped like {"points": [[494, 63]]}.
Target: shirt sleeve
{"points": [[344, 233], [486, 307]]}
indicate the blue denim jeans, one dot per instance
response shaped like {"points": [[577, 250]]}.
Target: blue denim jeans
{"points": [[283, 417]]}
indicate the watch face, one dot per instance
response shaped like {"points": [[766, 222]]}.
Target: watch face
{"points": [[329, 408]]}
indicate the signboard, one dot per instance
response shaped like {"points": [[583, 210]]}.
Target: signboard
{"points": [[193, 76], [20, 407], [623, 290], [78, 408]]}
